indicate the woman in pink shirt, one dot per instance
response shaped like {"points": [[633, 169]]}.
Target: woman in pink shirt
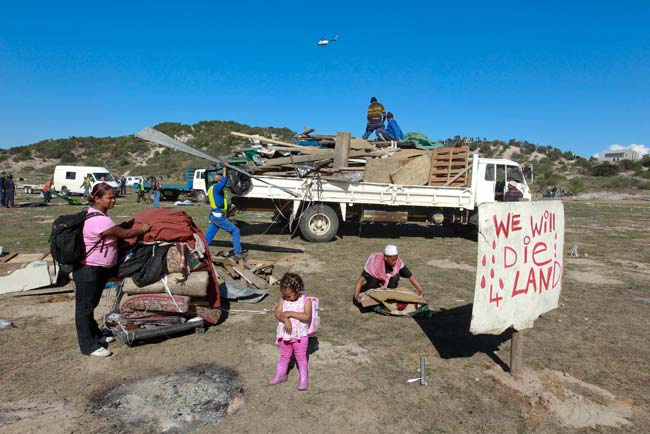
{"points": [[90, 277]]}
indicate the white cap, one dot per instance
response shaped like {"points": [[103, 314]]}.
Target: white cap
{"points": [[390, 250], [513, 183]]}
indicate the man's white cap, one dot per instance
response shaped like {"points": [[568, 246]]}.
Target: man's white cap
{"points": [[513, 183], [390, 250]]}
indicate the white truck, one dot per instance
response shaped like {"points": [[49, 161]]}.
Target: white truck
{"points": [[321, 204]]}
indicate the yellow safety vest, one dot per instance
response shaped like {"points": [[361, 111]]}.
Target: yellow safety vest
{"points": [[213, 203]]}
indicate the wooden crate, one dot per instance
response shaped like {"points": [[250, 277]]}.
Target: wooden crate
{"points": [[449, 166]]}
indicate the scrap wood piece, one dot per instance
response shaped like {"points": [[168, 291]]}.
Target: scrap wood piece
{"points": [[322, 155], [26, 258], [415, 171], [251, 277], [273, 141], [8, 257]]}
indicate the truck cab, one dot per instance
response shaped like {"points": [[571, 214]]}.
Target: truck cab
{"points": [[492, 180]]}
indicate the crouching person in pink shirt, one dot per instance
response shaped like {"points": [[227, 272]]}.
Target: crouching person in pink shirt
{"points": [[100, 238]]}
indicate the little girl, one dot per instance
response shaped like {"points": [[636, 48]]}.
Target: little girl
{"points": [[294, 315]]}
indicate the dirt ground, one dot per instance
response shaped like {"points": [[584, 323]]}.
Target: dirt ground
{"points": [[587, 362]]}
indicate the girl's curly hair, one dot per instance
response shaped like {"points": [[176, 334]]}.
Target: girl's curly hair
{"points": [[293, 281]]}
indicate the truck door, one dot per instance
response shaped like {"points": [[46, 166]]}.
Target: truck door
{"points": [[199, 180], [500, 184], [486, 182]]}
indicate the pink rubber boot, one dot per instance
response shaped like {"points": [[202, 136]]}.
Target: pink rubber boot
{"points": [[303, 381]]}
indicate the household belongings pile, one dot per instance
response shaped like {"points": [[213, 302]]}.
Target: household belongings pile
{"points": [[167, 278], [398, 301]]}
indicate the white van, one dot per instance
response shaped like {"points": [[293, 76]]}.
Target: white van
{"points": [[130, 180], [69, 179]]}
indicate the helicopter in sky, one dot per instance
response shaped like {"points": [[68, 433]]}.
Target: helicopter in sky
{"points": [[323, 42]]}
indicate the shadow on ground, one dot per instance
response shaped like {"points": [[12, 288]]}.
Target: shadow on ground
{"points": [[448, 331]]}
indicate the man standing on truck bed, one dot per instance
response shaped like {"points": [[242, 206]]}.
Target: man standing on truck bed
{"points": [[219, 207], [376, 113]]}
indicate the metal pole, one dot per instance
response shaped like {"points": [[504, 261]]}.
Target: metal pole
{"points": [[423, 370]]}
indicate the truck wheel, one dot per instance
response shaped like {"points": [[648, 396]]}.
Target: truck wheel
{"points": [[201, 197], [28, 190], [319, 223], [173, 196], [149, 194], [65, 191]]}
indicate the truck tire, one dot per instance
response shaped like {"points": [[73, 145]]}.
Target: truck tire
{"points": [[201, 197], [170, 195], [149, 195], [65, 191], [28, 190], [319, 223]]}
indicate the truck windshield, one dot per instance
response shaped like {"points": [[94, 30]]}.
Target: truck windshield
{"points": [[514, 174], [102, 176]]}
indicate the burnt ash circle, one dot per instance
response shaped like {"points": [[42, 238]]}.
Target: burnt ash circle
{"points": [[174, 402]]}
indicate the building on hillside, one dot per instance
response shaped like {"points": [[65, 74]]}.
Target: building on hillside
{"points": [[627, 154]]}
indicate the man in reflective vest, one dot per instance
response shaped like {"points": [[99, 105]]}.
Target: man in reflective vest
{"points": [[218, 220]]}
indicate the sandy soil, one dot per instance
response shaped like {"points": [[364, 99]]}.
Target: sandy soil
{"points": [[586, 362]]}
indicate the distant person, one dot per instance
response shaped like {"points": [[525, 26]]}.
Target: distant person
{"points": [[10, 191], [383, 270], [47, 193], [513, 193], [393, 130], [156, 186], [376, 113], [141, 191], [3, 179], [123, 186], [86, 184], [218, 211]]}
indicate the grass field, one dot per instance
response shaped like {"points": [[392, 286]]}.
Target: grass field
{"points": [[596, 339]]}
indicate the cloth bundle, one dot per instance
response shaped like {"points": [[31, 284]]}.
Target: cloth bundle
{"points": [[398, 301], [195, 285]]}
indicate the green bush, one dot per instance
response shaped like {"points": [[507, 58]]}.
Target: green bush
{"points": [[604, 169]]}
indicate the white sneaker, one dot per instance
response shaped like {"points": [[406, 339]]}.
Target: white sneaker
{"points": [[109, 339], [101, 352]]}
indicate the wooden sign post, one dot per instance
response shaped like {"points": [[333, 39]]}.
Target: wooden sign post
{"points": [[516, 353]]}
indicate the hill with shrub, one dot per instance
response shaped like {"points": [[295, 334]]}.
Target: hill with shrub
{"points": [[552, 167]]}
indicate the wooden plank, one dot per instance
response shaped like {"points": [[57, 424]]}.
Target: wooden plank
{"points": [[327, 155], [456, 178], [26, 258], [414, 172], [8, 257], [45, 291], [342, 149], [251, 277], [266, 140], [447, 163], [403, 154]]}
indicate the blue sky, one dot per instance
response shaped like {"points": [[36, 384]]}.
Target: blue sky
{"points": [[575, 75]]}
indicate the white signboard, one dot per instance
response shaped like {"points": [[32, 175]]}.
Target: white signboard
{"points": [[519, 264]]}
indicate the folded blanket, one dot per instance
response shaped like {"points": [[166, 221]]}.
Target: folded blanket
{"points": [[144, 305], [196, 285]]}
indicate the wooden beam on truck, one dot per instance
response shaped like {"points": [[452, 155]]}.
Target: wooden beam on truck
{"points": [[273, 141], [324, 155], [342, 150]]}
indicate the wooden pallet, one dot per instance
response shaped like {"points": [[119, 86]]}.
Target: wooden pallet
{"points": [[449, 166]]}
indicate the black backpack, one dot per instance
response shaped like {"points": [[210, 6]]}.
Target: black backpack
{"points": [[67, 241]]}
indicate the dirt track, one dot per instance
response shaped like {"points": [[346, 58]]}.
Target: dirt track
{"points": [[360, 362]]}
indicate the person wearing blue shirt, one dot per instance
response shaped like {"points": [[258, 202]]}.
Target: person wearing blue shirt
{"points": [[392, 129], [218, 220]]}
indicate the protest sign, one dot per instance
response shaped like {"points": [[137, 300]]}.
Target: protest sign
{"points": [[519, 264]]}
